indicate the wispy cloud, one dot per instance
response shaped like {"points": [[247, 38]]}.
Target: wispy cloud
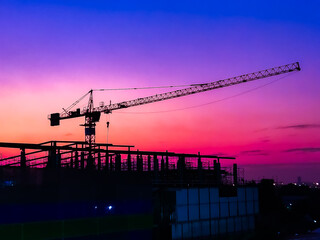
{"points": [[304, 150], [220, 154], [261, 130], [254, 152], [300, 126]]}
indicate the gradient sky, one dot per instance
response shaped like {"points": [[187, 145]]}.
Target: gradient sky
{"points": [[53, 52]]}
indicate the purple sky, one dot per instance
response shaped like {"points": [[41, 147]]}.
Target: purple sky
{"points": [[53, 52]]}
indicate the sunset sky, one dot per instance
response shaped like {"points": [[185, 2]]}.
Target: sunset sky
{"points": [[53, 52]]}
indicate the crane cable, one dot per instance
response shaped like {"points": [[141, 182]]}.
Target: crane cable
{"points": [[66, 110], [212, 102], [108, 124], [140, 88], [75, 103]]}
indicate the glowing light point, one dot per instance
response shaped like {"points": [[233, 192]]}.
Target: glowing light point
{"points": [[109, 207]]}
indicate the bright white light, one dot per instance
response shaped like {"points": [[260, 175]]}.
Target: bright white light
{"points": [[317, 183], [315, 221], [95, 207], [110, 207]]}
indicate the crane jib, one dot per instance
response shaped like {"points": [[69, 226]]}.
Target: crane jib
{"points": [[195, 88]]}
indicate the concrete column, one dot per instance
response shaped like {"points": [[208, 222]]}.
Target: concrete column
{"points": [[99, 161], [162, 164], [118, 163], [76, 160], [129, 161], [235, 174], [167, 161], [82, 160], [58, 159], [155, 164], [139, 163], [149, 163], [23, 160], [71, 159]]}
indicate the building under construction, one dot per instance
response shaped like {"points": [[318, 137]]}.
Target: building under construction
{"points": [[63, 190]]}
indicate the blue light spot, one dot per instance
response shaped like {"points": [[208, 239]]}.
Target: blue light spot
{"points": [[8, 183]]}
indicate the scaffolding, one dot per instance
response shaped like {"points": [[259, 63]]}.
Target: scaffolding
{"points": [[163, 167]]}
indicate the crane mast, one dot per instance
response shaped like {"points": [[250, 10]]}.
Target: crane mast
{"points": [[92, 114], [89, 123]]}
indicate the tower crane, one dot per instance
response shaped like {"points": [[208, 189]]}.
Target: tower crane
{"points": [[92, 114]]}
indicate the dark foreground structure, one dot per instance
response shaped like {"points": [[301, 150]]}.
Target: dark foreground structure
{"points": [[66, 190]]}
